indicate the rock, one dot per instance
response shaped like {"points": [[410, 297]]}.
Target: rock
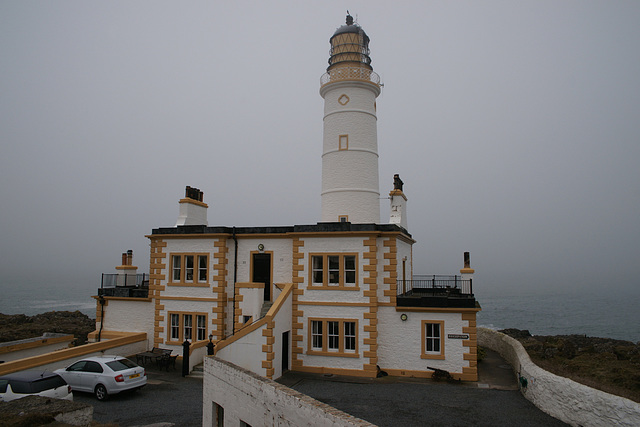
{"points": [[18, 326]]}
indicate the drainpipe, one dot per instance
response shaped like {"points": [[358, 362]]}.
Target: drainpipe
{"points": [[235, 279], [101, 301]]}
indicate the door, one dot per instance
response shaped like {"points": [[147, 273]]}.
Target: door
{"points": [[285, 351], [262, 272]]}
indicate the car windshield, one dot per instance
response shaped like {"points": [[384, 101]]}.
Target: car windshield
{"points": [[121, 364]]}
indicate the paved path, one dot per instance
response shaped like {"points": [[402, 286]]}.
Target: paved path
{"points": [[494, 401], [169, 399]]}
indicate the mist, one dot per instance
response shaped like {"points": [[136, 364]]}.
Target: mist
{"points": [[514, 126]]}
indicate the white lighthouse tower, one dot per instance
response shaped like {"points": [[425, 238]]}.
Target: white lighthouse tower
{"points": [[350, 188]]}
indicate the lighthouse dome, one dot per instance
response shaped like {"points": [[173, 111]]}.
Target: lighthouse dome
{"points": [[351, 27]]}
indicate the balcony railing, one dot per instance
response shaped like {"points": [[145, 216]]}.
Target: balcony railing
{"points": [[350, 73], [435, 284], [124, 285]]}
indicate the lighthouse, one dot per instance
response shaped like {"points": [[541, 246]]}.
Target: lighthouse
{"points": [[350, 187]]}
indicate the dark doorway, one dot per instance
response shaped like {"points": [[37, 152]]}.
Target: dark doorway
{"points": [[285, 351], [262, 272]]}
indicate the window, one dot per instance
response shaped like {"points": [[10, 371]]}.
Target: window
{"points": [[316, 335], [343, 218], [334, 271], [181, 327], [217, 413], [344, 142], [189, 269], [202, 327], [333, 337], [188, 326], [175, 327], [432, 342]]}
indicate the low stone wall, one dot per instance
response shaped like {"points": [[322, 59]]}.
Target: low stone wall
{"points": [[123, 344], [48, 342], [562, 398], [239, 395]]}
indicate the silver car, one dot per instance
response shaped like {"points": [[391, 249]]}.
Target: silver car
{"points": [[104, 375], [39, 383]]}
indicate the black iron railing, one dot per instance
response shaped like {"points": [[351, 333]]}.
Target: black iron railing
{"points": [[435, 283], [124, 280]]}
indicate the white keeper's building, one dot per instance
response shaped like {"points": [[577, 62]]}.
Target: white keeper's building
{"points": [[340, 296]]}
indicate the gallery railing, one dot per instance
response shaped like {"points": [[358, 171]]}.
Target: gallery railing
{"points": [[435, 283], [350, 73], [124, 279]]}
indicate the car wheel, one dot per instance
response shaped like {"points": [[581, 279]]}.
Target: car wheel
{"points": [[101, 392]]}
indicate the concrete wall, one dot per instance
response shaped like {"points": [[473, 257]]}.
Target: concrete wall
{"points": [[257, 401], [15, 350], [562, 398]]}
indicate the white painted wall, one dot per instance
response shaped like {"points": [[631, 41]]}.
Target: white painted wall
{"points": [[191, 214], [562, 398], [251, 304], [261, 402], [350, 177], [246, 352], [399, 342], [129, 316], [282, 321]]}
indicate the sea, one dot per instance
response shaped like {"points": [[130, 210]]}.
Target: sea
{"points": [[597, 313]]}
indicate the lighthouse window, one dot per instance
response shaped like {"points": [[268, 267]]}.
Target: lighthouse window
{"points": [[333, 337], [344, 142], [189, 269], [432, 342], [334, 271]]}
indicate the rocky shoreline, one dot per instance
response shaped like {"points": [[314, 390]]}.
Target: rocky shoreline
{"points": [[19, 326]]}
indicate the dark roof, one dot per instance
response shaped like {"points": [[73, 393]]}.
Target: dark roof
{"points": [[321, 227], [351, 27]]}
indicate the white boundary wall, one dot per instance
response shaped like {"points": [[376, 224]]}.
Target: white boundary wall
{"points": [[258, 401], [562, 398]]}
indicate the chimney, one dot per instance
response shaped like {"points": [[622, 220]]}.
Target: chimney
{"points": [[193, 211], [398, 204], [467, 270], [130, 257]]}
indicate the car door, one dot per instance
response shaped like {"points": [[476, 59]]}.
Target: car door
{"points": [[73, 375], [91, 374]]}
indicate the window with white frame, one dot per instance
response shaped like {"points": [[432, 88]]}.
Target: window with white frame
{"points": [[175, 327], [201, 327], [432, 339], [181, 327], [333, 337], [189, 269], [329, 271], [316, 335]]}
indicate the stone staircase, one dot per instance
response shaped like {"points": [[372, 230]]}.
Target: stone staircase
{"points": [[197, 372], [265, 308]]}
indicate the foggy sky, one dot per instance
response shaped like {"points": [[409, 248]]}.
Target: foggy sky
{"points": [[514, 125]]}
